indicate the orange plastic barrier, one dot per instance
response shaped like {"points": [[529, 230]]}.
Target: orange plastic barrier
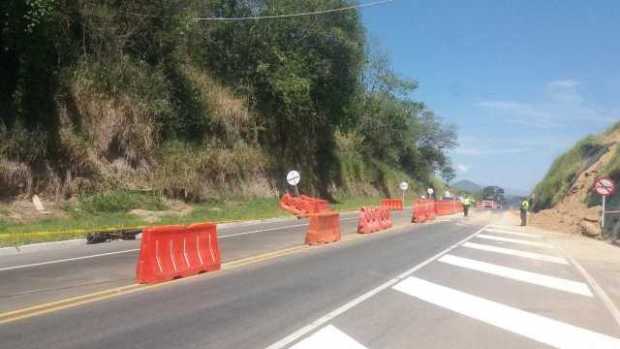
{"points": [[323, 228], [447, 207], [385, 217], [423, 210], [303, 205], [175, 251], [374, 219], [394, 204]]}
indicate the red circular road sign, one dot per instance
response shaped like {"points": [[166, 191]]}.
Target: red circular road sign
{"points": [[604, 186]]}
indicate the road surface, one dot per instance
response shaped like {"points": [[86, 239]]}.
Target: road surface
{"points": [[49, 275], [457, 284]]}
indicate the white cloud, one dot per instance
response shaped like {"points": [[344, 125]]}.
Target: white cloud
{"points": [[563, 84], [564, 92], [461, 168], [561, 104]]}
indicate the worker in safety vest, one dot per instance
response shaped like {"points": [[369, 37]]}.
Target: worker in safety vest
{"points": [[525, 206], [466, 204]]}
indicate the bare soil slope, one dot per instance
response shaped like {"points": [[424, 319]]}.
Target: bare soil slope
{"points": [[572, 214]]}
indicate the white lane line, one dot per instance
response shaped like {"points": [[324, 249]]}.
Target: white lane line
{"points": [[328, 337], [536, 327], [508, 232], [65, 260], [284, 342], [518, 253], [506, 227], [519, 275], [23, 266], [515, 241], [598, 290], [261, 231], [274, 229]]}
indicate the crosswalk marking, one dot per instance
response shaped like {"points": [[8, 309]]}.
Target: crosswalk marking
{"points": [[502, 226], [536, 327], [328, 337], [516, 241], [508, 232], [518, 253], [519, 275]]}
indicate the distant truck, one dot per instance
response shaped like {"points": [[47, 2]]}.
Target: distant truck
{"points": [[488, 204]]}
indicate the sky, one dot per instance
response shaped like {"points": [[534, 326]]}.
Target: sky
{"points": [[522, 80]]}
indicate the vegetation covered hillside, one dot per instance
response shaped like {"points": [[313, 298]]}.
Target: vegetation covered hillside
{"points": [[564, 198], [101, 95]]}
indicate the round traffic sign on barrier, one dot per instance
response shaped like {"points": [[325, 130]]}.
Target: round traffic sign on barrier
{"points": [[604, 186], [293, 177], [404, 186]]}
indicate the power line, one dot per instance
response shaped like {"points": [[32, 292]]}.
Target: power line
{"points": [[301, 14]]}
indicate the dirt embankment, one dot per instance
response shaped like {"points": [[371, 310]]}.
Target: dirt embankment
{"points": [[572, 214]]}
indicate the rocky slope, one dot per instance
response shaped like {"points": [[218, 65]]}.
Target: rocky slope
{"points": [[578, 210]]}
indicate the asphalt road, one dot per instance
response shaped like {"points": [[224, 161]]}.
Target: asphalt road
{"points": [[53, 274], [455, 284]]}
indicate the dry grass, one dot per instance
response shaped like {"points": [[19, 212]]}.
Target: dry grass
{"points": [[196, 173], [229, 113], [15, 177]]}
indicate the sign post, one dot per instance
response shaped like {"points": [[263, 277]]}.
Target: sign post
{"points": [[293, 178], [604, 186], [403, 187], [430, 192]]}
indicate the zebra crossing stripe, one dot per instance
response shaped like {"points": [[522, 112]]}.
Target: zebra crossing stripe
{"points": [[514, 241], [509, 232], [328, 337], [518, 253], [519, 275], [536, 327]]}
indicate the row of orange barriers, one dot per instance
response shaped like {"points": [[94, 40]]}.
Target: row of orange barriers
{"points": [[176, 251], [425, 209], [393, 204], [373, 219], [303, 205]]}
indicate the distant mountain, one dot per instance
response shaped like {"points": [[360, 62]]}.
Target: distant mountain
{"points": [[516, 192], [468, 186]]}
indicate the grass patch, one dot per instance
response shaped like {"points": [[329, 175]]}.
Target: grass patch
{"points": [[612, 168], [565, 170], [120, 201]]}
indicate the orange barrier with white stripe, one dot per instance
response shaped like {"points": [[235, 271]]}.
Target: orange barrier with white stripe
{"points": [[175, 251]]}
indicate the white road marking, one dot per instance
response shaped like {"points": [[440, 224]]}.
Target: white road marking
{"points": [[518, 253], [508, 232], [536, 327], [507, 227], [515, 241], [284, 342], [261, 231], [276, 228], [519, 275], [328, 337], [598, 290], [23, 266], [65, 260]]}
